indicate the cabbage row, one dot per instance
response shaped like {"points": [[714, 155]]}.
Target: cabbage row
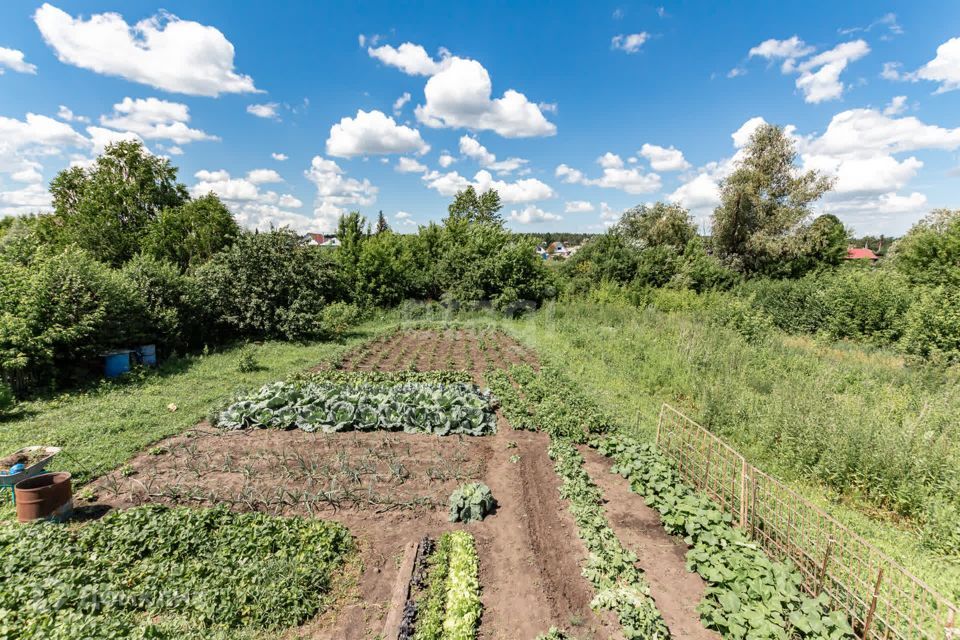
{"points": [[748, 594], [163, 573], [415, 407]]}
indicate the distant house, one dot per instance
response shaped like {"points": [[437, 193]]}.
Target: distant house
{"points": [[856, 253], [557, 250], [320, 240]]}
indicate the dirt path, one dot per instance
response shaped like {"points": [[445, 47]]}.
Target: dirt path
{"points": [[676, 591]]}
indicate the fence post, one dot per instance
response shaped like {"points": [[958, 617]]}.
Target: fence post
{"points": [[823, 567], [873, 605], [743, 493], [663, 408]]}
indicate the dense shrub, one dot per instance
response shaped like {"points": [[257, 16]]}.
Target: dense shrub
{"points": [[337, 318], [932, 325], [271, 285], [854, 303], [61, 312], [930, 252]]}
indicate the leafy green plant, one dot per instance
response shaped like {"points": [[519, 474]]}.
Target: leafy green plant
{"points": [[471, 502], [411, 407], [430, 607], [339, 376], [155, 572], [247, 360], [611, 569], [463, 607], [748, 595], [337, 318]]}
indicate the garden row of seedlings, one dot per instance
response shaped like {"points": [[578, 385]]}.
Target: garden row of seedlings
{"points": [[612, 570], [444, 602], [748, 595]]}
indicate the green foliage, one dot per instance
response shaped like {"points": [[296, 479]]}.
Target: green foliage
{"points": [[7, 401], [190, 234], [356, 378], [60, 313], [744, 317], [384, 270], [941, 527], [470, 207], [471, 502], [176, 313], [247, 359], [763, 203], [555, 634], [154, 572], [271, 285], [748, 595], [611, 569], [658, 225], [931, 328], [337, 318], [430, 607], [108, 208], [607, 258], [410, 407], [463, 607], [930, 253]]}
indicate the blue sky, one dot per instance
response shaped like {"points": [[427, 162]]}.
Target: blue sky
{"points": [[294, 112]]}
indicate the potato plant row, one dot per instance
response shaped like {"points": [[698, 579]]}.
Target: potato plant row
{"points": [[619, 585], [748, 594], [611, 569]]}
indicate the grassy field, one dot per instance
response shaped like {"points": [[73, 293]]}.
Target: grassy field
{"points": [[100, 428], [859, 433]]}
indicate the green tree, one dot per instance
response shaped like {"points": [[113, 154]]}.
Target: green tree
{"points": [[382, 226], [469, 206], [190, 234], [764, 201], [930, 252], [657, 225], [352, 236], [108, 208]]}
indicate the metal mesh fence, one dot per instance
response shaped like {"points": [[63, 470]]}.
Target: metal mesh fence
{"points": [[881, 598]]}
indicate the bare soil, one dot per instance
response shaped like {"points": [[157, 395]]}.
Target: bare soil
{"points": [[661, 556], [392, 488]]}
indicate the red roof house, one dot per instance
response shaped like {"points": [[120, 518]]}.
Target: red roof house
{"points": [[854, 253]]}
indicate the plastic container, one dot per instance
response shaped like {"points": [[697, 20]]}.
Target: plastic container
{"points": [[147, 355], [116, 363], [48, 496]]}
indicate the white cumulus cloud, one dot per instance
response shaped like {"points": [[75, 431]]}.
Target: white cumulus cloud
{"points": [[533, 214], [409, 165], [266, 110], [630, 42], [663, 158], [373, 132], [164, 51], [615, 176], [154, 119], [577, 206], [335, 191], [410, 58], [13, 59], [525, 190]]}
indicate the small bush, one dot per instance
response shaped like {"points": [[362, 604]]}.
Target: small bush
{"points": [[932, 326], [337, 318], [941, 529], [743, 317], [471, 502], [247, 360]]}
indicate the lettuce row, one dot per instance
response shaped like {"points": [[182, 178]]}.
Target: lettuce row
{"points": [[430, 609], [748, 594], [413, 407], [611, 568], [462, 616]]}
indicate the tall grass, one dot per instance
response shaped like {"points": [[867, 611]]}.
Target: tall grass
{"points": [[857, 425]]}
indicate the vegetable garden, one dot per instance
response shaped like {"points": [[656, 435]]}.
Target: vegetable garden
{"points": [[430, 484]]}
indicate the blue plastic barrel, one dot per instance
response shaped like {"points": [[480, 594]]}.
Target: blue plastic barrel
{"points": [[147, 355], [117, 363]]}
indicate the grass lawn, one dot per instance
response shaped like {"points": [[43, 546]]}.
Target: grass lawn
{"points": [[100, 428], [801, 410]]}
